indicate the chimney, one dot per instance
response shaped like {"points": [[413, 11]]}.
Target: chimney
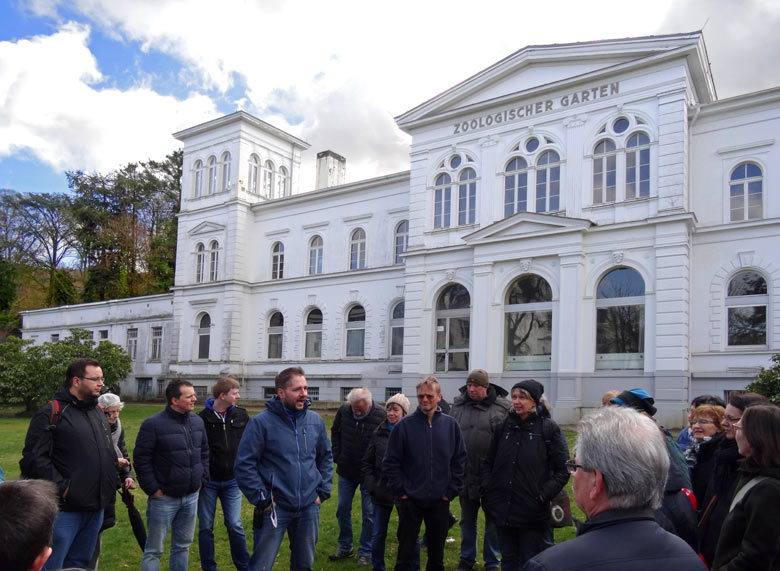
{"points": [[331, 169]]}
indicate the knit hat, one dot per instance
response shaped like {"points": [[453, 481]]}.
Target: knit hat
{"points": [[480, 377], [107, 400], [637, 399], [532, 387], [400, 400]]}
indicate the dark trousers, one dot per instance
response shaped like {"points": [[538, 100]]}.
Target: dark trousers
{"points": [[411, 514], [519, 545]]}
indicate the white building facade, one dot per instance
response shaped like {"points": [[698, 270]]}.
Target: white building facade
{"points": [[589, 215]]}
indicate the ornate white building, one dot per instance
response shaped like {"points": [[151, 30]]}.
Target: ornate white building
{"points": [[589, 215]]}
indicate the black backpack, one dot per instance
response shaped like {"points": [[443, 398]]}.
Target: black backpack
{"points": [[27, 463]]}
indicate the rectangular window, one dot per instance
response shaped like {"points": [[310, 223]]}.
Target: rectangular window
{"points": [[314, 393], [620, 342], [313, 344], [390, 391], [103, 334], [344, 391], [441, 207], [355, 342], [132, 343], [397, 341], [201, 391], [275, 346], [747, 325], [528, 340], [144, 387], [161, 384], [156, 349], [467, 198], [269, 392], [55, 337]]}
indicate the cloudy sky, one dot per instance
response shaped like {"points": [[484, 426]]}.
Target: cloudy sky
{"points": [[95, 84]]}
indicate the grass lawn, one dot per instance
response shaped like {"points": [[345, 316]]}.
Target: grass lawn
{"points": [[120, 550]]}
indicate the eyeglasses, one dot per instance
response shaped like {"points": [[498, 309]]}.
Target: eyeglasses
{"points": [[572, 466], [112, 413], [93, 379], [424, 397], [732, 419], [701, 421]]}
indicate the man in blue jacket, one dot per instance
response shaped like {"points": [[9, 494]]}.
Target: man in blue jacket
{"points": [[172, 463], [424, 464], [284, 467]]}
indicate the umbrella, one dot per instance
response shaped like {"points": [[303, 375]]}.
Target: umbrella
{"points": [[136, 521]]}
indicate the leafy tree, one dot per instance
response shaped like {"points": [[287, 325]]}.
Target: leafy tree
{"points": [[7, 284], [767, 381]]}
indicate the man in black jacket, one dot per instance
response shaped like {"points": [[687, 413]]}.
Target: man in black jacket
{"points": [[225, 423], [620, 467], [353, 426], [69, 443], [172, 463]]}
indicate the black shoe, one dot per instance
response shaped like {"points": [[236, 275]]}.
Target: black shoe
{"points": [[452, 519], [463, 566], [339, 555]]}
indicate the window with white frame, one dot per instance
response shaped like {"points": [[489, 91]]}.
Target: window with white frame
{"points": [[638, 166], [226, 165], [356, 331], [268, 179], [204, 336], [277, 261], [213, 261], [131, 344], [314, 393], [54, 337], [313, 335], [200, 262], [344, 393], [548, 182], [315, 256], [212, 175], [746, 308], [357, 249], [604, 172], [401, 241], [397, 329], [467, 197], [155, 353], [442, 201], [620, 320], [275, 335], [254, 173], [453, 322], [282, 182], [533, 165], [528, 319], [745, 192], [103, 334], [198, 172], [516, 186], [458, 167]]}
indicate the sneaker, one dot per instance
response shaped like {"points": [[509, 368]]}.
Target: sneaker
{"points": [[364, 561], [463, 566], [339, 555]]}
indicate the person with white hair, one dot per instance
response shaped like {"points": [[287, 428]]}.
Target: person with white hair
{"points": [[619, 471], [353, 426]]}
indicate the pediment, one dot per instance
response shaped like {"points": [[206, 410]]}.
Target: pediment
{"points": [[206, 228], [525, 225]]}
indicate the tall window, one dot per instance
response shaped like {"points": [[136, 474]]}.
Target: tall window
{"points": [[604, 172], [226, 160], [401, 241], [620, 320], [397, 330], [212, 175], [442, 201], [746, 305], [516, 186], [281, 182], [204, 336], [357, 250], [254, 171], [638, 166], [356, 331], [275, 335], [198, 168], [200, 262], [315, 256], [313, 333], [467, 197], [745, 192], [458, 167], [532, 177], [548, 182], [453, 329], [268, 179], [132, 343], [528, 318], [156, 348], [213, 261], [277, 261]]}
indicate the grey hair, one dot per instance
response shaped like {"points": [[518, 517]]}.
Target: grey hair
{"points": [[107, 400], [630, 451], [359, 394]]}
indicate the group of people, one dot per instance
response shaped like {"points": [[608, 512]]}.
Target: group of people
{"points": [[503, 455]]}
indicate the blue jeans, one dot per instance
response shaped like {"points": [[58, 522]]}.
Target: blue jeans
{"points": [[519, 545], [178, 515], [469, 510], [230, 496], [74, 538], [347, 490], [302, 528]]}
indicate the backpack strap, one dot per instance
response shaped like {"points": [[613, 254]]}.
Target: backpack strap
{"points": [[745, 489]]}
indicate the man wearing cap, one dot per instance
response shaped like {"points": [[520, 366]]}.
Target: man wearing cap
{"points": [[480, 409]]}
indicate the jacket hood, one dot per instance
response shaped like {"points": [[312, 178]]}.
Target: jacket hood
{"points": [[494, 392], [67, 396]]}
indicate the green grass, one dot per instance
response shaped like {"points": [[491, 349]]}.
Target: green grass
{"points": [[120, 550]]}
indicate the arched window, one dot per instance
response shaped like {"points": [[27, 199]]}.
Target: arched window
{"points": [[548, 182], [275, 335], [745, 192], [357, 250], [204, 336], [213, 261], [604, 172], [746, 305], [277, 261], [313, 341], [356, 331], [442, 200], [254, 171], [516, 186], [268, 179], [397, 330], [467, 197], [620, 320], [198, 169], [315, 256], [200, 262], [453, 329], [212, 175], [282, 182], [638, 166], [401, 241], [226, 160], [528, 317]]}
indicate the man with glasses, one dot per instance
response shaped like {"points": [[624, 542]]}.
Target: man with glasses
{"points": [[69, 443], [618, 484], [425, 463]]}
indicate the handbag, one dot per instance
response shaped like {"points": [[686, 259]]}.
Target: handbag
{"points": [[560, 510]]}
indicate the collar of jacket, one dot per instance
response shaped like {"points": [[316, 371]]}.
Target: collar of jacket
{"points": [[67, 396], [180, 416], [614, 516]]}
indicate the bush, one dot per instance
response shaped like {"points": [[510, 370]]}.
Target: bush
{"points": [[767, 382]]}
